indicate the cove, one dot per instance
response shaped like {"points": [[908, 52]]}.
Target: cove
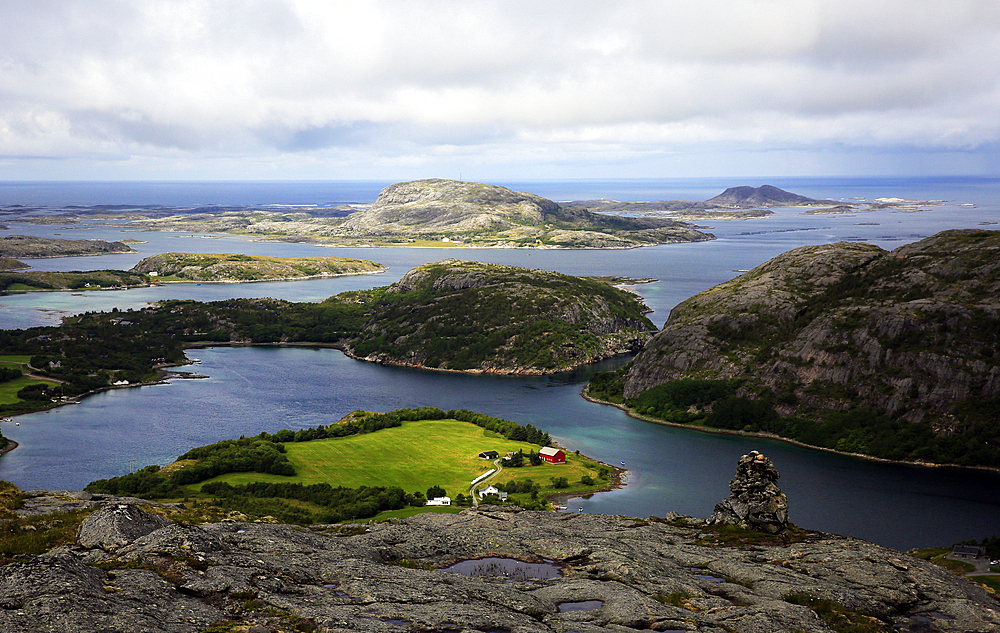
{"points": [[249, 390]]}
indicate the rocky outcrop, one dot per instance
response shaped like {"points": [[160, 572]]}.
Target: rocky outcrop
{"points": [[614, 573], [482, 214], [911, 334], [756, 503]]}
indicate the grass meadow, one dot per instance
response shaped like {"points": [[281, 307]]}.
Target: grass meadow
{"points": [[414, 456]]}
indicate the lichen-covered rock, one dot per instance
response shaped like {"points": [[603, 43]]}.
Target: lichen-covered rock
{"points": [[117, 525], [619, 573], [755, 503]]}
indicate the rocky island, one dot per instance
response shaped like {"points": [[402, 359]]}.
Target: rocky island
{"points": [[31, 246], [844, 346], [227, 267], [120, 564]]}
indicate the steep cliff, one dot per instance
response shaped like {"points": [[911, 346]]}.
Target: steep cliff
{"points": [[911, 335]]}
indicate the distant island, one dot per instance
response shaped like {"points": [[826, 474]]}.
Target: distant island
{"points": [[190, 267], [41, 247], [845, 346]]}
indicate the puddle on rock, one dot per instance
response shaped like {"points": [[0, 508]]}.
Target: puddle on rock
{"points": [[506, 568], [694, 571], [583, 605]]}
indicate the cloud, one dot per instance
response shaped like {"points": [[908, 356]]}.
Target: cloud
{"points": [[402, 82]]}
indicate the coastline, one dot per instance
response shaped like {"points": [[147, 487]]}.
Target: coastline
{"points": [[778, 438]]}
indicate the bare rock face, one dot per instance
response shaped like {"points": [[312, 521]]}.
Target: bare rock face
{"points": [[114, 526], [613, 574], [756, 502]]}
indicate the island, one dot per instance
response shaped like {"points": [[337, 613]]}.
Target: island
{"points": [[190, 267], [28, 246], [231, 268], [847, 347]]}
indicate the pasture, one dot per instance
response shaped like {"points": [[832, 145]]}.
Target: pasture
{"points": [[414, 456]]}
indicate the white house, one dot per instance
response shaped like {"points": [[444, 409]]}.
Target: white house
{"points": [[493, 490], [439, 501]]}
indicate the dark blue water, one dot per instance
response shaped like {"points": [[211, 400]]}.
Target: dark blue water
{"points": [[251, 390], [267, 389]]}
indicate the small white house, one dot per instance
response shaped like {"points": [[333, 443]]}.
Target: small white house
{"points": [[493, 490], [439, 501]]}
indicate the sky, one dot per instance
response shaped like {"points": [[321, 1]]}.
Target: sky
{"points": [[328, 90]]}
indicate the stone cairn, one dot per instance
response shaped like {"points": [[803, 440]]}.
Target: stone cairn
{"points": [[756, 502]]}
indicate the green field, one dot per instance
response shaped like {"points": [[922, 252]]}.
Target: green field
{"points": [[9, 389], [414, 456]]}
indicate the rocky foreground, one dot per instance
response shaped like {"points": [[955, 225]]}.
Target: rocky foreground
{"points": [[133, 570]]}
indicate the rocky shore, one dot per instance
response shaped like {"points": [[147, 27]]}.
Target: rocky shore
{"points": [[132, 569]]}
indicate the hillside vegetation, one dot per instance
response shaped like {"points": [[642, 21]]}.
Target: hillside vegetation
{"points": [[892, 354], [450, 315], [31, 246], [488, 317]]}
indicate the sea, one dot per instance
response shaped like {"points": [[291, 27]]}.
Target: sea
{"points": [[243, 391]]}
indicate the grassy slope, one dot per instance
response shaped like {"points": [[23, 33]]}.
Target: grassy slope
{"points": [[9, 389], [414, 457]]}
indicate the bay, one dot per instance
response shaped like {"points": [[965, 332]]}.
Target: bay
{"points": [[250, 390]]}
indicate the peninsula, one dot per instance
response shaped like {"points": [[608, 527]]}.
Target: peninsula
{"points": [[454, 315], [844, 346]]}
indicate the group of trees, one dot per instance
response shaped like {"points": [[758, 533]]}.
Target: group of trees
{"points": [[334, 504]]}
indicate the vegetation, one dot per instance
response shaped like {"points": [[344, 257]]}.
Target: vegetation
{"points": [[839, 618], [334, 473], [516, 324], [841, 346], [238, 267]]}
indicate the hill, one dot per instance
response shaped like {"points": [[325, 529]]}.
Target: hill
{"points": [[491, 215], [765, 196], [227, 267], [488, 317], [892, 354]]}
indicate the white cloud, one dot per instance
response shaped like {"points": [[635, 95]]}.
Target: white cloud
{"points": [[275, 81]]}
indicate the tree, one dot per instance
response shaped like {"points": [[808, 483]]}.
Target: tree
{"points": [[436, 491]]}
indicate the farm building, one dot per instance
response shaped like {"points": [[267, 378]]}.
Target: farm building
{"points": [[552, 455], [489, 455], [439, 501], [493, 490]]}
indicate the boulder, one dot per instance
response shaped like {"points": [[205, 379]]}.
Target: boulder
{"points": [[117, 525], [756, 503]]}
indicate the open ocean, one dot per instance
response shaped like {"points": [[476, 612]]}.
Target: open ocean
{"points": [[250, 390]]}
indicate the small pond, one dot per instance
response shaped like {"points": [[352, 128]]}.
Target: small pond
{"points": [[506, 568]]}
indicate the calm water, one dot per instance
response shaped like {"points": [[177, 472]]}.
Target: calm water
{"points": [[250, 390]]}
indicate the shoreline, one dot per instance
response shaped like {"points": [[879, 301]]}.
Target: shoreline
{"points": [[778, 438]]}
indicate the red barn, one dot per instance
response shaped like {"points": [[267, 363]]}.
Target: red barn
{"points": [[552, 455]]}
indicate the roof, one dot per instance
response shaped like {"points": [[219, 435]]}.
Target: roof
{"points": [[967, 549], [548, 450]]}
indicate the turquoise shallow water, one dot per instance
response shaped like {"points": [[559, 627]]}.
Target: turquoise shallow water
{"points": [[251, 390]]}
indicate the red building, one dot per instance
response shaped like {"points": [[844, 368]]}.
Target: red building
{"points": [[552, 455]]}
